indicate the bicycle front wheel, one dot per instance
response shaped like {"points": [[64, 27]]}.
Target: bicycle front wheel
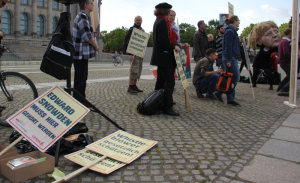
{"points": [[115, 62], [19, 91]]}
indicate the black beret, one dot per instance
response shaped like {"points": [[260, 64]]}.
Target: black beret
{"points": [[164, 6]]}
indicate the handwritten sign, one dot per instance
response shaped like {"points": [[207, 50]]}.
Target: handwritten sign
{"points": [[85, 157], [184, 81], [48, 118], [138, 43], [230, 9], [122, 146]]}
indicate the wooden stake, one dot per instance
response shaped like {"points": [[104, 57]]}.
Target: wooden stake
{"points": [[79, 171], [185, 98], [11, 145], [188, 98]]}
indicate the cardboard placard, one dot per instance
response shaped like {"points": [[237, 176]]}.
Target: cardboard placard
{"points": [[86, 156], [138, 43], [28, 172], [185, 61], [122, 146], [48, 118], [184, 81]]}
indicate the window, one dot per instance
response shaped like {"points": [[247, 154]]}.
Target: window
{"points": [[25, 2], [41, 3], [55, 5], [24, 24], [54, 24], [40, 25], [6, 22]]}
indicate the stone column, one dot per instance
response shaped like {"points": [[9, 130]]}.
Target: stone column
{"points": [[17, 19], [34, 18], [49, 18]]}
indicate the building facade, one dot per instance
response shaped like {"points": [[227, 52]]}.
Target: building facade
{"points": [[29, 24]]}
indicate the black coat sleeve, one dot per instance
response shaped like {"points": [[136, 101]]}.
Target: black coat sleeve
{"points": [[163, 37]]}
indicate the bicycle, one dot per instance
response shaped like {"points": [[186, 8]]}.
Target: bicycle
{"points": [[117, 60], [18, 91]]}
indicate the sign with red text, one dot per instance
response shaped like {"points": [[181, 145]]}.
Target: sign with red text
{"points": [[122, 146], [48, 118]]}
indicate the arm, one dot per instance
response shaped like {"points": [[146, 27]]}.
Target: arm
{"points": [[228, 41], [86, 34], [212, 72]]}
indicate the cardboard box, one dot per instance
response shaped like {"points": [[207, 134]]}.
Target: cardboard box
{"points": [[9, 153], [30, 171]]}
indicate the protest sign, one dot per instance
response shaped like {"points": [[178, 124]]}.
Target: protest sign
{"points": [[184, 81], [223, 17], [86, 156], [185, 61], [46, 119], [230, 9], [138, 43], [122, 146]]}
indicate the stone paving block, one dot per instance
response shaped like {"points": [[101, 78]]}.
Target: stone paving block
{"points": [[287, 133], [270, 170], [281, 149], [292, 121]]}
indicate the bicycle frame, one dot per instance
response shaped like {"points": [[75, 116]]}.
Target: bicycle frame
{"points": [[3, 87]]}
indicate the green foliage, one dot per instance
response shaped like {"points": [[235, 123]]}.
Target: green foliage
{"points": [[150, 42], [282, 27], [245, 33], [187, 32], [211, 28], [114, 39]]}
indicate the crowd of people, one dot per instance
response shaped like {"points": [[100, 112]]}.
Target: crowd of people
{"points": [[225, 49]]}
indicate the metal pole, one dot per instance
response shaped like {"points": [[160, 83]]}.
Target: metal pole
{"points": [[294, 56]]}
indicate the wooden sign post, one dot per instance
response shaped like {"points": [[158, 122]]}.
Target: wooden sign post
{"points": [[120, 146], [184, 81], [248, 63]]}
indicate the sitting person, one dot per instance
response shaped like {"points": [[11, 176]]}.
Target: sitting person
{"points": [[204, 80]]}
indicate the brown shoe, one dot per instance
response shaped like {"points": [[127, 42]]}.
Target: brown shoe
{"points": [[132, 90], [137, 89]]}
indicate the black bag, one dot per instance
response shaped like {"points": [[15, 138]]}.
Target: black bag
{"points": [[152, 103], [226, 82], [58, 58]]}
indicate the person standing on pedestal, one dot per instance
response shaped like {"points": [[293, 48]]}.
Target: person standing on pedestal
{"points": [[85, 47]]}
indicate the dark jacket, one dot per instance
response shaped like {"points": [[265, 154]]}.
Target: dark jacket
{"points": [[163, 50], [128, 36], [231, 44], [263, 58], [200, 69], [200, 44]]}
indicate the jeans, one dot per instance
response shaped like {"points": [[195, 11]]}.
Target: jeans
{"points": [[285, 83], [211, 66], [208, 84], [220, 62], [235, 70], [80, 77]]}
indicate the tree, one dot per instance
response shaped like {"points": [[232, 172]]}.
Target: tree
{"points": [[114, 40], [282, 28], [245, 33], [184, 26], [188, 35], [212, 27], [150, 42]]}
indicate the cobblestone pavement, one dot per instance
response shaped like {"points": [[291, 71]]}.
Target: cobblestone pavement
{"points": [[211, 144]]}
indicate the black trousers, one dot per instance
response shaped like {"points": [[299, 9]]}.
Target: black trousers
{"points": [[80, 77], [166, 81]]}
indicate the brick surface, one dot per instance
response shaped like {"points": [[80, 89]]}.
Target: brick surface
{"points": [[213, 143]]}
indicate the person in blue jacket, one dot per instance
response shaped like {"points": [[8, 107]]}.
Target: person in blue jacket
{"points": [[230, 55]]}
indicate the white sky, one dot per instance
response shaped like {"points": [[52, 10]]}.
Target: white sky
{"points": [[118, 13]]}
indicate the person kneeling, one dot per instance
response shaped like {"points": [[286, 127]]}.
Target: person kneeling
{"points": [[204, 80]]}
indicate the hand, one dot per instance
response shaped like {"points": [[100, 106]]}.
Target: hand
{"points": [[177, 49], [186, 44], [95, 34], [131, 57], [229, 64], [97, 48], [143, 30], [4, 50], [219, 71]]}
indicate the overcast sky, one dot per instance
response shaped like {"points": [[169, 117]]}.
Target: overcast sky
{"points": [[118, 13]]}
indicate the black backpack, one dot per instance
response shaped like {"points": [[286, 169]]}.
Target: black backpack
{"points": [[58, 58], [152, 103]]}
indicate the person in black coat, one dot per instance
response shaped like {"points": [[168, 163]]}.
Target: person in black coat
{"points": [[164, 44]]}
